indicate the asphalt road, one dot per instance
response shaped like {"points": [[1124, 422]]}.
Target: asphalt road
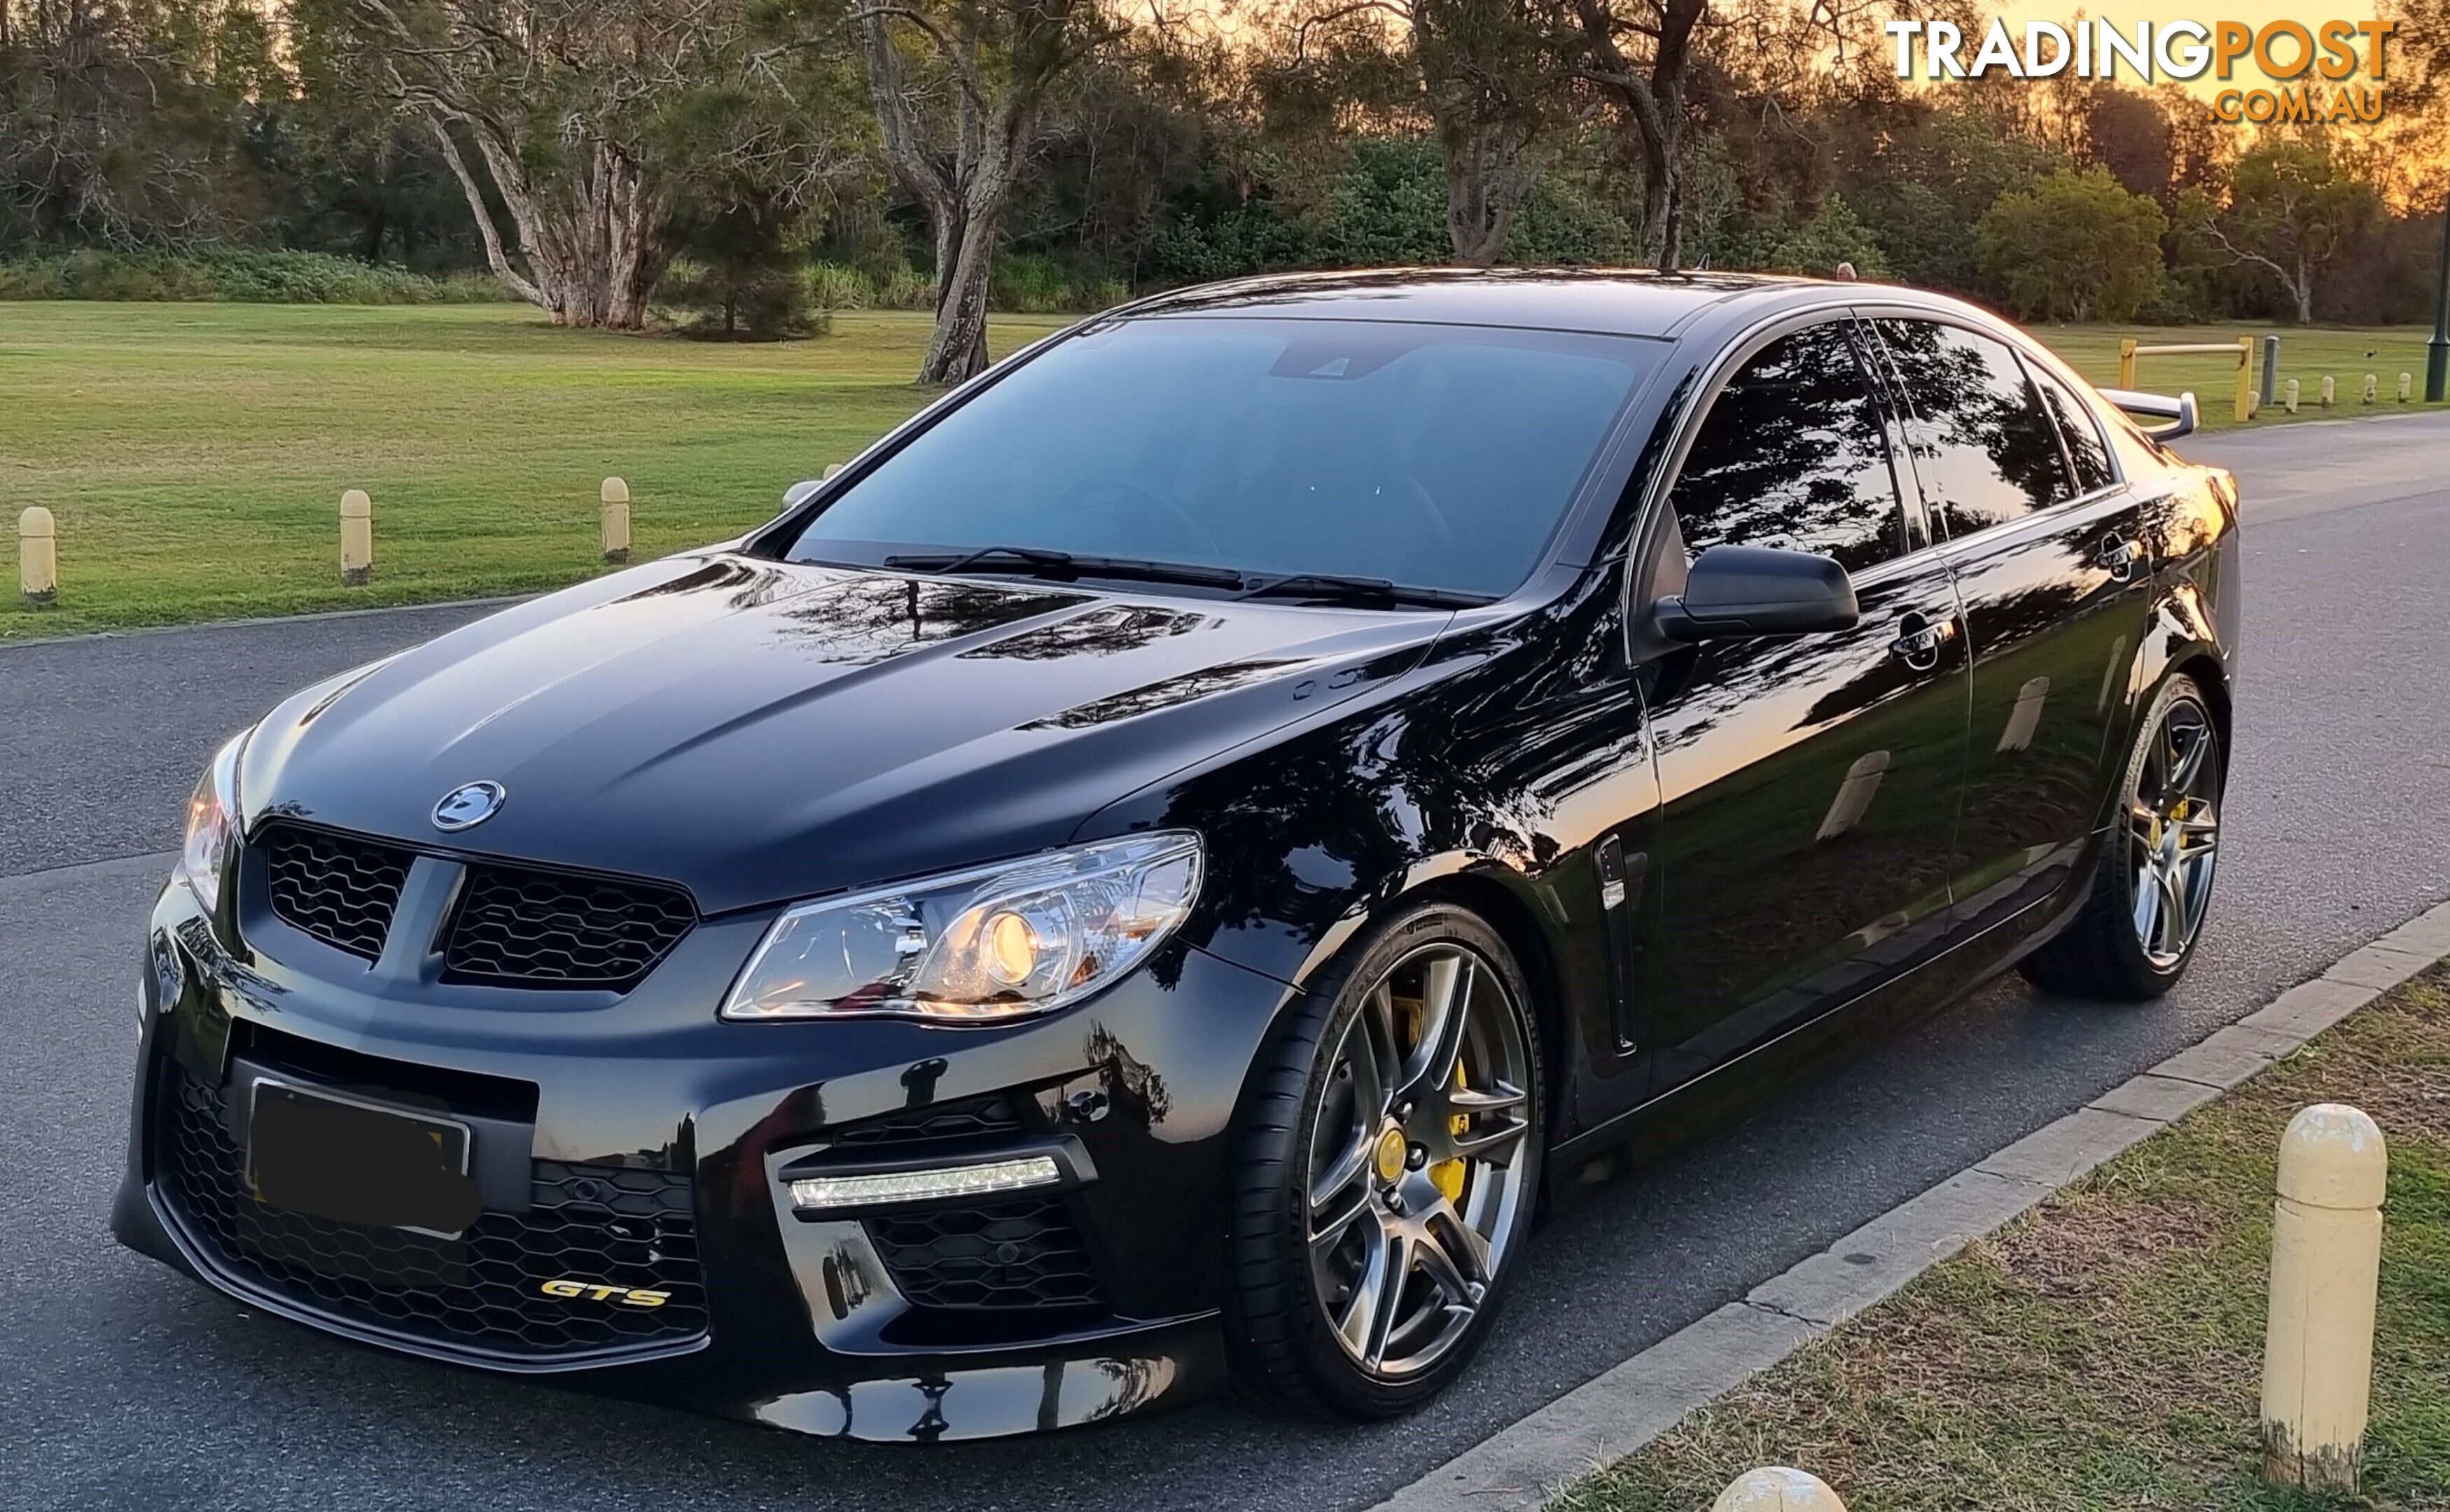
{"points": [[122, 1385]]}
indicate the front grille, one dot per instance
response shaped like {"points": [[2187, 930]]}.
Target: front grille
{"points": [[524, 928], [1005, 1254], [479, 1293], [341, 891]]}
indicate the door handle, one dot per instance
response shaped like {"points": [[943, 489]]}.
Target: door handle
{"points": [[1919, 640], [2119, 555]]}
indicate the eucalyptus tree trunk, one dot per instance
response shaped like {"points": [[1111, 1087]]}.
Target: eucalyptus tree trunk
{"points": [[591, 236]]}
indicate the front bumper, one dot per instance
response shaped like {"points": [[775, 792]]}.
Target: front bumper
{"points": [[639, 1142]]}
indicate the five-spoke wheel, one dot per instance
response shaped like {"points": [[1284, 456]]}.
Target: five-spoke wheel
{"points": [[2138, 927], [1390, 1170]]}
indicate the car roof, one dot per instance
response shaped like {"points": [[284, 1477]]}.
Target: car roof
{"points": [[1615, 302]]}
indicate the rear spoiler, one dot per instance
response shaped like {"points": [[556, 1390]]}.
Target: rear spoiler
{"points": [[2181, 411]]}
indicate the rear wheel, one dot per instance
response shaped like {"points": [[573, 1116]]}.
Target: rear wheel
{"points": [[2139, 927], [1390, 1168]]}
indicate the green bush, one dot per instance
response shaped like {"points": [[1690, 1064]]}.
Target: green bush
{"points": [[2075, 246], [237, 274], [841, 286]]}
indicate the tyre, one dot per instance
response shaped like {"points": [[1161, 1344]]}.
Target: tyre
{"points": [[2138, 927], [1388, 1167]]}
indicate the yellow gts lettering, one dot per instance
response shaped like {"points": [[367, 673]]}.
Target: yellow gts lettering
{"points": [[597, 1291]]}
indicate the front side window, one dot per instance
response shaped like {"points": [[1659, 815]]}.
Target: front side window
{"points": [[1985, 452], [1792, 454], [1432, 457]]}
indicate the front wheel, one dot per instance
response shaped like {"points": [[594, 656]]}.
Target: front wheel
{"points": [[1388, 1170], [2139, 927]]}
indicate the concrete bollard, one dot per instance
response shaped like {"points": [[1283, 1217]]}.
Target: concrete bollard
{"points": [[2373, 388], [2291, 399], [832, 468], [2331, 390], [38, 557], [2326, 1266], [357, 538], [1776, 1488], [615, 495], [2406, 387]]}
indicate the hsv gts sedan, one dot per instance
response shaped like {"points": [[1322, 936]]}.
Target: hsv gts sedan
{"points": [[1145, 879]]}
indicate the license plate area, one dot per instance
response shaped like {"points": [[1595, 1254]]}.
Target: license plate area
{"points": [[330, 1156]]}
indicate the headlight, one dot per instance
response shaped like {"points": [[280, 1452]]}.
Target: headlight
{"points": [[979, 946], [212, 825]]}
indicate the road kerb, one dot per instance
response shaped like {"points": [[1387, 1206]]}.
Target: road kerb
{"points": [[1613, 1414]]}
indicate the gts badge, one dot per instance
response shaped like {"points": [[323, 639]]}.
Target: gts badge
{"points": [[598, 1291]]}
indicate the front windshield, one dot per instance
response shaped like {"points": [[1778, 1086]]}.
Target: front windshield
{"points": [[1431, 456]]}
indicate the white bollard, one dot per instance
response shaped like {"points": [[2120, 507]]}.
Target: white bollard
{"points": [[615, 498], [2325, 1267], [2331, 390], [1776, 1488], [357, 538], [2291, 400], [38, 557], [2373, 388], [2406, 387]]}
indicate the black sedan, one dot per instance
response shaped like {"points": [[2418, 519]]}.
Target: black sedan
{"points": [[1149, 877]]}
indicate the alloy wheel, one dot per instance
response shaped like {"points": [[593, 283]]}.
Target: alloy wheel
{"points": [[1416, 1168], [2174, 827]]}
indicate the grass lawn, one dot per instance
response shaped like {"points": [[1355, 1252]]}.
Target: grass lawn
{"points": [[2304, 355], [195, 454], [2105, 1351]]}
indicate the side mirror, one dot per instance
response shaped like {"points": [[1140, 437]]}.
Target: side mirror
{"points": [[798, 493], [1738, 590]]}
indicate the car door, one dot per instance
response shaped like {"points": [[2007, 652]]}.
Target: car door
{"points": [[2051, 567], [1809, 785]]}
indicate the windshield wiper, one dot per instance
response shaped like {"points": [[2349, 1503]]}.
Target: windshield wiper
{"points": [[1343, 588], [1037, 561]]}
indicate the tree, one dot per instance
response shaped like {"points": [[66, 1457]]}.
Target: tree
{"points": [[566, 107], [2292, 206], [2075, 246], [1640, 51], [961, 90]]}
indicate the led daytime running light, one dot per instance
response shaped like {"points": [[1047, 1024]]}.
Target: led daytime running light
{"points": [[872, 1190]]}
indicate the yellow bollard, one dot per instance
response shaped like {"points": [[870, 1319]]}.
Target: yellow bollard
{"points": [[2244, 378], [2331, 390], [2126, 363], [2291, 399], [1776, 1488], [615, 495], [2326, 1263], [2373, 387], [357, 538], [2406, 387], [38, 557]]}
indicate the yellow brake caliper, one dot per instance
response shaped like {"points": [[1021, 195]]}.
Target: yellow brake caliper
{"points": [[1446, 1175]]}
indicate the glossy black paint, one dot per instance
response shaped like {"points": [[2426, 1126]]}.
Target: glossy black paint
{"points": [[1715, 861]]}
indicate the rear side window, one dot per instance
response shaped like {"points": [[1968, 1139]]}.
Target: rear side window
{"points": [[1985, 452], [2082, 432], [1792, 454]]}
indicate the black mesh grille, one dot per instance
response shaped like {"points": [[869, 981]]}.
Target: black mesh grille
{"points": [[534, 928], [1006, 1254], [604, 1225], [340, 890], [964, 1119]]}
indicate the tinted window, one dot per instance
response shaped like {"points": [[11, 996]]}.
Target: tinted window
{"points": [[1986, 451], [1792, 454], [2077, 427], [1437, 456]]}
